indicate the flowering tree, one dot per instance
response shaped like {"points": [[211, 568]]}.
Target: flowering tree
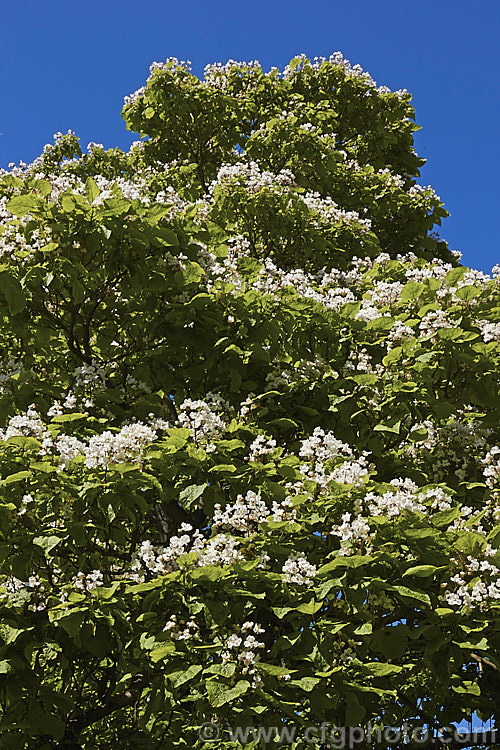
{"points": [[250, 449]]}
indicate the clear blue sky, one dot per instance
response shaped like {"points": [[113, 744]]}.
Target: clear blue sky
{"points": [[68, 65]]}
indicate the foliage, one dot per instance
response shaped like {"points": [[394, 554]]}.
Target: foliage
{"points": [[249, 459]]}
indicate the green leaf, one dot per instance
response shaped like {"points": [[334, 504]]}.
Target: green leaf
{"points": [[406, 593], [455, 275], [44, 466], [47, 543], [165, 237], [219, 693], [481, 645], [310, 607], [392, 357], [379, 669], [391, 642], [188, 495], [364, 629], [223, 469], [23, 204], [355, 711], [184, 675], [91, 190], [207, 573], [468, 292], [392, 428], [273, 669], [420, 571], [305, 683], [77, 291], [49, 247], [13, 292], [70, 620], [161, 652], [411, 291], [140, 588], [17, 477], [9, 633], [223, 670], [61, 418]]}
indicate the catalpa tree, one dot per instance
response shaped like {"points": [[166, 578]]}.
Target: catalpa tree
{"points": [[249, 403]]}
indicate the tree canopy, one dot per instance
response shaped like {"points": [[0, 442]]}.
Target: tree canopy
{"points": [[249, 455]]}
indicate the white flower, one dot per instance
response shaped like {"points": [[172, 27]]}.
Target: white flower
{"points": [[299, 570]]}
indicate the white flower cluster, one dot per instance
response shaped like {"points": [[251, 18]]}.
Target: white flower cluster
{"points": [[324, 447], [299, 570], [201, 417], [28, 424], [476, 584], [20, 592], [26, 502], [250, 175], [159, 560], [130, 189], [323, 287], [304, 369], [67, 446], [248, 512], [88, 582], [329, 211], [180, 630], [352, 531], [254, 180], [104, 449], [248, 404], [435, 270], [261, 447], [352, 472], [113, 448], [438, 498], [171, 63], [398, 332], [243, 649], [170, 197], [470, 519], [403, 499], [69, 402], [385, 292], [491, 463], [433, 321], [391, 178], [358, 361], [368, 312], [217, 74], [90, 376], [226, 268], [419, 190], [490, 331], [16, 242], [458, 446]]}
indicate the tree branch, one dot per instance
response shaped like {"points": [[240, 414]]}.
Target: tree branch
{"points": [[76, 725]]}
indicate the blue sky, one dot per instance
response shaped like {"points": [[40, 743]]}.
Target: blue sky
{"points": [[68, 65]]}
